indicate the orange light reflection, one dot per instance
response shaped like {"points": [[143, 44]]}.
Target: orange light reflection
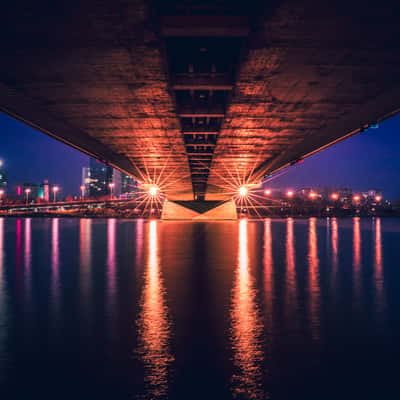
{"points": [[313, 264], [246, 331], [291, 287], [335, 253], [85, 256], [27, 257], [378, 268], [55, 261], [357, 258], [154, 325], [268, 276]]}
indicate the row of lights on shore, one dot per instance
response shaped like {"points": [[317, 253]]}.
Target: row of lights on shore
{"points": [[244, 191], [153, 190], [28, 191]]}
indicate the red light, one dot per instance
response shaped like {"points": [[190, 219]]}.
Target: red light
{"points": [[267, 192], [312, 195], [56, 189], [334, 196], [378, 198], [356, 198], [289, 193]]}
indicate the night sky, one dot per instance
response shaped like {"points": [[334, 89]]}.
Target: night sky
{"points": [[369, 160]]}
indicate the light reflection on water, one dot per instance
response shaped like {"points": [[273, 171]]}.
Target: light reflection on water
{"points": [[3, 305], [378, 268], [153, 323], [313, 273], [246, 330], [122, 295]]}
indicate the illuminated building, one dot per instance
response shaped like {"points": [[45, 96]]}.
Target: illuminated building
{"points": [[98, 178], [128, 184], [46, 190]]}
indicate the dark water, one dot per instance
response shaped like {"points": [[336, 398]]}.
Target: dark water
{"points": [[278, 309]]}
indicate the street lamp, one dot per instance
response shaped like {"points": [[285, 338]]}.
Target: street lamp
{"points": [[111, 186], [55, 190], [267, 192], [82, 192], [334, 196], [289, 193], [243, 191], [312, 195], [378, 198], [153, 190], [27, 191], [1, 194]]}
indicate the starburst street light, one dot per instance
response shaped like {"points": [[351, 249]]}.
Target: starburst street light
{"points": [[243, 191], [153, 190], [267, 192]]}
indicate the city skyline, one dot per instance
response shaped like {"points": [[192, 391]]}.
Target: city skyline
{"points": [[365, 161]]}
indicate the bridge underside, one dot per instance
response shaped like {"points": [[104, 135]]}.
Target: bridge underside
{"points": [[200, 95]]}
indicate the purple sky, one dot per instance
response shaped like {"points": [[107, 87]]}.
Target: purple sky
{"points": [[368, 160]]}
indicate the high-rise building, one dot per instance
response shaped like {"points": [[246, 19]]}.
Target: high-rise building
{"points": [[97, 179], [44, 191], [128, 184], [3, 176]]}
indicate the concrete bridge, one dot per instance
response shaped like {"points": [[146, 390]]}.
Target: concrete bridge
{"points": [[200, 96]]}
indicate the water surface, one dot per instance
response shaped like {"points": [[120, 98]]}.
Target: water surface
{"points": [[273, 309]]}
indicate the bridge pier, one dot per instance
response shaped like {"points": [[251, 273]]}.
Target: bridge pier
{"points": [[202, 211]]}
